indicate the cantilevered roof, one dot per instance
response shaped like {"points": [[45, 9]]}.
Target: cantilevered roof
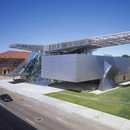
{"points": [[86, 44]]}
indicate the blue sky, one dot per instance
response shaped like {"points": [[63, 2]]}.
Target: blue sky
{"points": [[51, 21]]}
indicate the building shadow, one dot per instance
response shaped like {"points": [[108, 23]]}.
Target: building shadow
{"points": [[16, 81], [9, 121], [77, 87]]}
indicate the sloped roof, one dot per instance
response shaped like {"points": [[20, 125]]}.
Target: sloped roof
{"points": [[14, 54]]}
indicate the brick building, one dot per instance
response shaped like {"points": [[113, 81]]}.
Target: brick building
{"points": [[10, 60]]}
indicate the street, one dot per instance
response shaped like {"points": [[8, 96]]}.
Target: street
{"points": [[30, 114]]}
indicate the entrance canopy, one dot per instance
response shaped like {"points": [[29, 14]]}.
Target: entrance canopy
{"points": [[78, 45]]}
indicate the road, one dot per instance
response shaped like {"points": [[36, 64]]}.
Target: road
{"points": [[30, 114]]}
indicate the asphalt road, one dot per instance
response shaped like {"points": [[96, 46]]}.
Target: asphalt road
{"points": [[29, 114]]}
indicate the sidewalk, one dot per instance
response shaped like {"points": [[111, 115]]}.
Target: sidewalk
{"points": [[35, 91]]}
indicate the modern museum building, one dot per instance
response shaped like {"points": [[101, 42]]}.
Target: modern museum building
{"points": [[73, 62]]}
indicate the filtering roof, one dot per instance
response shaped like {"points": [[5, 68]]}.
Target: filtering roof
{"points": [[83, 44]]}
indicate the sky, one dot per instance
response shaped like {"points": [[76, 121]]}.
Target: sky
{"points": [[52, 21]]}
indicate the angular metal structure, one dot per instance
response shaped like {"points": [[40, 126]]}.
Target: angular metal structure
{"points": [[70, 61], [78, 46], [79, 68]]}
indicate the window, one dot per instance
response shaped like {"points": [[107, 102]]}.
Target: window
{"points": [[5, 70], [124, 77]]}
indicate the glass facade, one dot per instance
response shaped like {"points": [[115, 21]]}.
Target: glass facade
{"points": [[31, 68]]}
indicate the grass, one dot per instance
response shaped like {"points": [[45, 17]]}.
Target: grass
{"points": [[118, 109], [120, 94]]}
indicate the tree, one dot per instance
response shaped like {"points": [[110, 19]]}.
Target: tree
{"points": [[126, 56]]}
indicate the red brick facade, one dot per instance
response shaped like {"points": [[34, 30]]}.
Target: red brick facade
{"points": [[10, 60]]}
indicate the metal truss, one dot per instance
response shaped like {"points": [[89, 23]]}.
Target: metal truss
{"points": [[88, 44]]}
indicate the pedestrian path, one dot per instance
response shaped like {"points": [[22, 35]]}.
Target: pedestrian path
{"points": [[36, 92], [26, 87]]}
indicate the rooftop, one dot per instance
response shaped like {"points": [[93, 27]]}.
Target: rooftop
{"points": [[14, 54], [79, 45]]}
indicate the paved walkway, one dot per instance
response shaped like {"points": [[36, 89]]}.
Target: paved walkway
{"points": [[36, 92], [93, 98]]}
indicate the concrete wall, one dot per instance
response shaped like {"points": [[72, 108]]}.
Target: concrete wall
{"points": [[122, 78]]}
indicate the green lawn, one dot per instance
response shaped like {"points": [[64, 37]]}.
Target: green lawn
{"points": [[120, 94], [118, 109]]}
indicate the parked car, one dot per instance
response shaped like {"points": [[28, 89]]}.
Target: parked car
{"points": [[5, 98]]}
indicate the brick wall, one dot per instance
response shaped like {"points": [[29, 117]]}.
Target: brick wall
{"points": [[9, 64]]}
